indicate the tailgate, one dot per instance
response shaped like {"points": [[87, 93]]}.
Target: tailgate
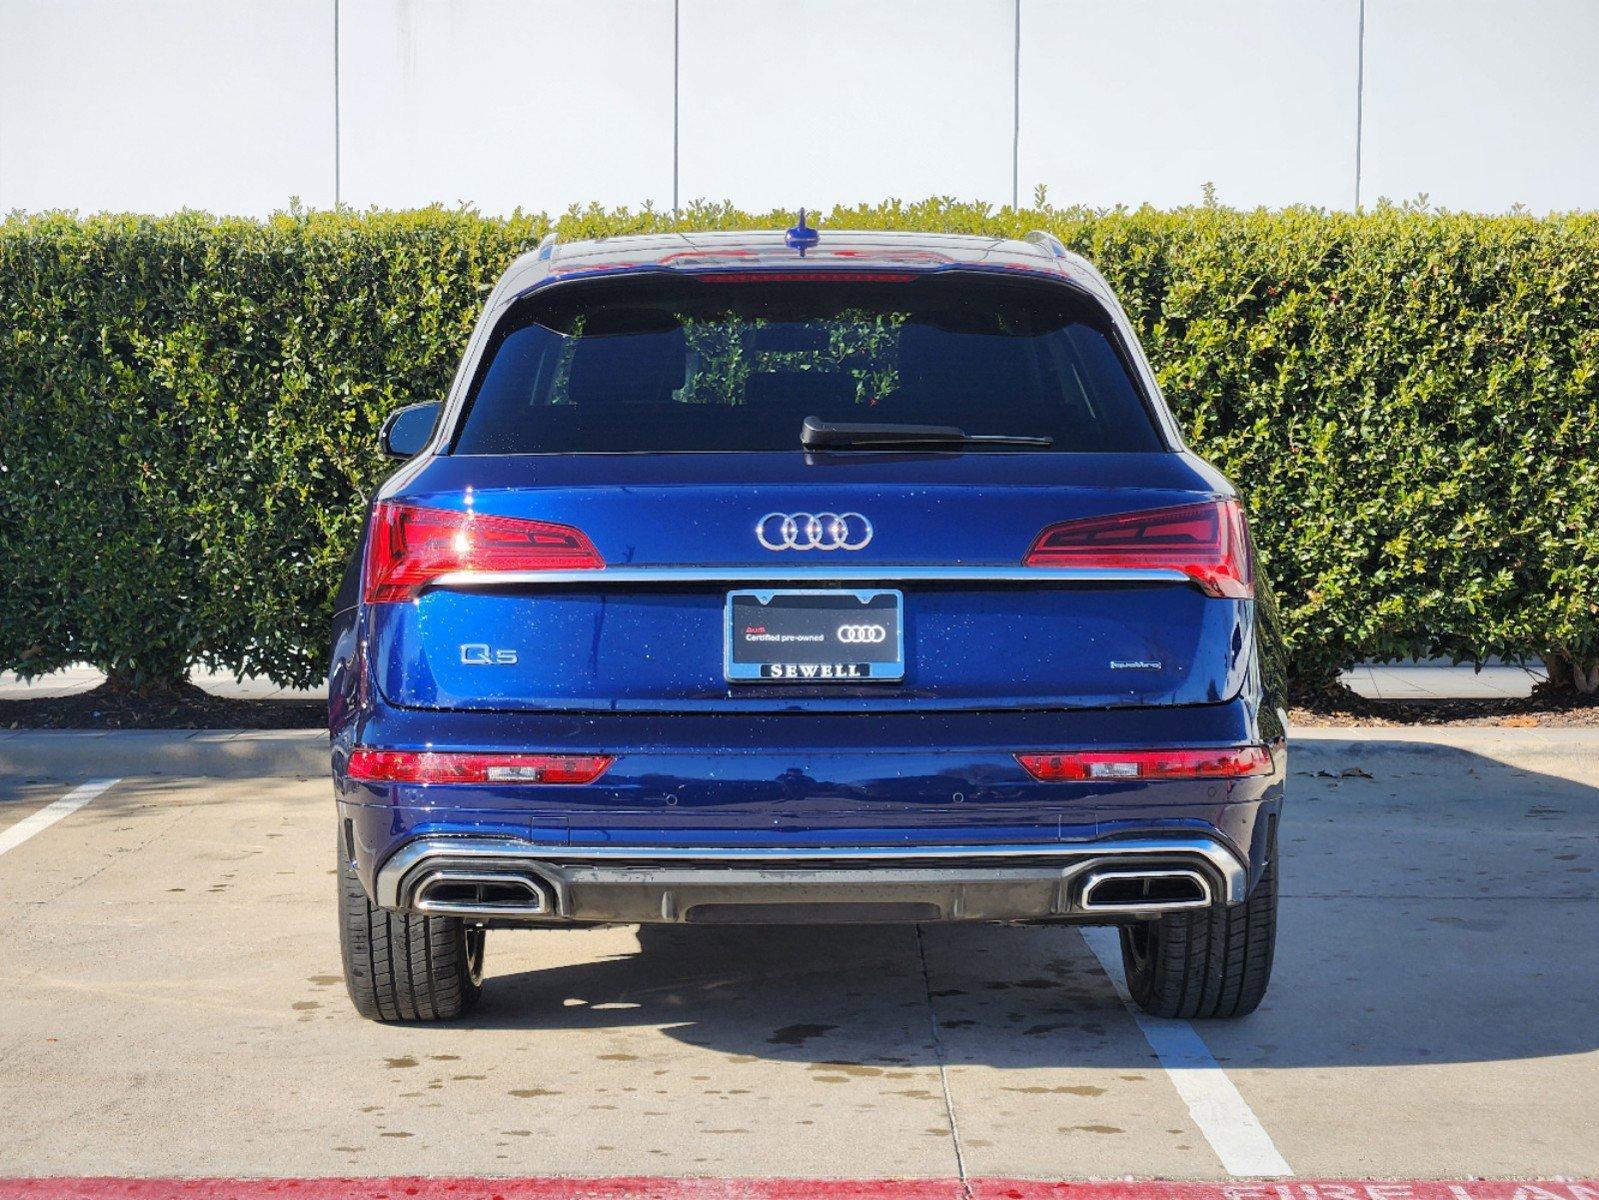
{"points": [[650, 630]]}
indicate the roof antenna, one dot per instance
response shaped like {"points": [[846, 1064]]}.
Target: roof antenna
{"points": [[802, 237]]}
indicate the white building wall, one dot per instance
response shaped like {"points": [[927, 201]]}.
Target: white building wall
{"points": [[505, 103], [239, 105], [156, 105], [1483, 104], [1148, 100], [787, 103]]}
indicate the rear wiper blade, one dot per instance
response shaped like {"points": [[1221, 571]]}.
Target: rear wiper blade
{"points": [[843, 435]]}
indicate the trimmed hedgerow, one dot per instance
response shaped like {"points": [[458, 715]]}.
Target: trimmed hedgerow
{"points": [[189, 406]]}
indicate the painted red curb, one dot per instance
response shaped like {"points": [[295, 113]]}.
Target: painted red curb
{"points": [[653, 1188]]}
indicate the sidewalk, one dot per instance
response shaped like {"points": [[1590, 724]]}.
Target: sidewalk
{"points": [[72, 680], [1428, 679], [1438, 679]]}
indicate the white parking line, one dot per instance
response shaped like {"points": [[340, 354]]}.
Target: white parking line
{"points": [[1228, 1123], [47, 816]]}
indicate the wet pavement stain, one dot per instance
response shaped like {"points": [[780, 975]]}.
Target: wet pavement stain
{"points": [[396, 1064], [1092, 1129], [528, 1093], [848, 1068], [798, 1035], [1081, 1089], [304, 1005], [1002, 985], [1478, 925]]}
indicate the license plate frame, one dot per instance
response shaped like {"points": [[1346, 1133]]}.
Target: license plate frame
{"points": [[868, 661]]}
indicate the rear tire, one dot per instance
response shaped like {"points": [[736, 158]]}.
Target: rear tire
{"points": [[1211, 962], [404, 967]]}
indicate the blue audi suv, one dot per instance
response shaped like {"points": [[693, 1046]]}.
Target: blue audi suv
{"points": [[804, 577]]}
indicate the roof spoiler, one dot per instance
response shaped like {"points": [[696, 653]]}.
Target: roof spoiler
{"points": [[1051, 244]]}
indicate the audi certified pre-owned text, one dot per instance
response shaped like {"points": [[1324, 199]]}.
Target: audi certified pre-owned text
{"points": [[804, 577]]}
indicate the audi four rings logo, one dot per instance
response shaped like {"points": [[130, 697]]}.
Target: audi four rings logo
{"points": [[813, 531], [868, 635]]}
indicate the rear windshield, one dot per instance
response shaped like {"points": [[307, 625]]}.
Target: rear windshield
{"points": [[674, 364]]}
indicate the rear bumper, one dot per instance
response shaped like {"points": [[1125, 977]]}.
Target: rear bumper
{"points": [[925, 815], [506, 880]]}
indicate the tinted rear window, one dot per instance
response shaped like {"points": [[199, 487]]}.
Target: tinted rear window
{"points": [[684, 364]]}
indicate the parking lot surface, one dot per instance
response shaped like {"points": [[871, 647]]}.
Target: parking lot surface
{"points": [[172, 1002]]}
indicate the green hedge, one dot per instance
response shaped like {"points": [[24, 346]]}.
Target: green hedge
{"points": [[189, 407]]}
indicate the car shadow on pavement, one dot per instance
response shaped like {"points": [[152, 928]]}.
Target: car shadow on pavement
{"points": [[1438, 906]]}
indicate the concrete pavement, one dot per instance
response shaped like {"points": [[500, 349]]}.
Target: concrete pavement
{"points": [[172, 1004]]}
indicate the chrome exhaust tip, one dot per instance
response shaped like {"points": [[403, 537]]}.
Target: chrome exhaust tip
{"points": [[1145, 892], [454, 892]]}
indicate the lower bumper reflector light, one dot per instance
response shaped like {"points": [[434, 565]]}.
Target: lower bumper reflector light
{"points": [[1228, 762]]}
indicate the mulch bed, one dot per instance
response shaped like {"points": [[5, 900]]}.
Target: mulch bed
{"points": [[186, 707]]}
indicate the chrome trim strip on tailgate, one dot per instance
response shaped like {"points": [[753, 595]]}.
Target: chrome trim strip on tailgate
{"points": [[784, 573]]}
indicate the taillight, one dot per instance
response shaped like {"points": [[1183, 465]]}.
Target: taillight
{"points": [[409, 546], [1232, 762], [1208, 542], [448, 766]]}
